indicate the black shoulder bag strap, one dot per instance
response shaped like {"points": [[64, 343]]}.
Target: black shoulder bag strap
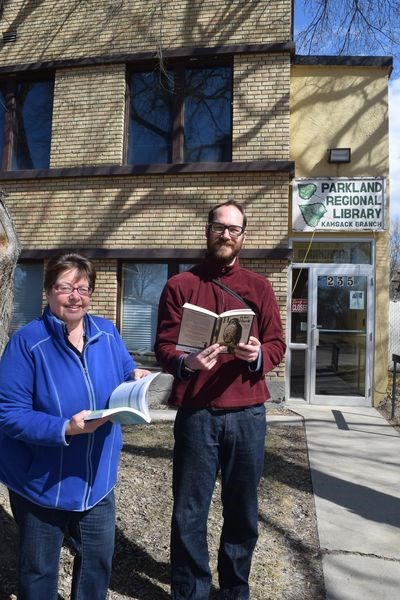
{"points": [[234, 294]]}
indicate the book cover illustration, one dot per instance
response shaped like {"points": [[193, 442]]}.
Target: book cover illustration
{"points": [[201, 327]]}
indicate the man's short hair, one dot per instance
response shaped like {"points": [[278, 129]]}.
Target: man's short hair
{"points": [[212, 212]]}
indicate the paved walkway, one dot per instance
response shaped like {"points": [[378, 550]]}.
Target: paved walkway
{"points": [[355, 466]]}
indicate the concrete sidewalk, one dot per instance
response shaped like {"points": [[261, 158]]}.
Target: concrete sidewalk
{"points": [[355, 467]]}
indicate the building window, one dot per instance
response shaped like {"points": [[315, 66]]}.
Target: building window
{"points": [[182, 114], [357, 252], [28, 289], [142, 284], [26, 108]]}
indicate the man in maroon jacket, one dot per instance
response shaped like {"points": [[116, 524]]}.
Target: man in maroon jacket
{"points": [[220, 422]]}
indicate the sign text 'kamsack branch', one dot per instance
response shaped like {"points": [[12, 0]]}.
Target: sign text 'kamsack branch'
{"points": [[338, 204]]}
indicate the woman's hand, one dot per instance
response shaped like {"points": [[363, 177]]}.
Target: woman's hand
{"points": [[77, 423], [139, 373]]}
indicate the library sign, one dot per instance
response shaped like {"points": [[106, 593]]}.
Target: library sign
{"points": [[338, 204]]}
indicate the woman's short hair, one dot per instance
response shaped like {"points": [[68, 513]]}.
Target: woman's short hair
{"points": [[65, 261]]}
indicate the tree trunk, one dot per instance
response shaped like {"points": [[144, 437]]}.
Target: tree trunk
{"points": [[9, 252]]}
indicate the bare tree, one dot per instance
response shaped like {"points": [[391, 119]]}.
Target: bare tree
{"points": [[9, 252], [144, 283], [394, 256], [350, 27]]}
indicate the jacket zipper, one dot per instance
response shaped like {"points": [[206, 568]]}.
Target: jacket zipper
{"points": [[90, 437]]}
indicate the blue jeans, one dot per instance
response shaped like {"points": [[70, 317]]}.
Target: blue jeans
{"points": [[42, 530], [205, 441]]}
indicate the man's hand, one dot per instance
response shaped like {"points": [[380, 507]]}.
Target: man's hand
{"points": [[248, 352], [77, 423], [204, 360]]}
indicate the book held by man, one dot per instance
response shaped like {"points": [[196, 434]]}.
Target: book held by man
{"points": [[128, 404], [201, 327]]}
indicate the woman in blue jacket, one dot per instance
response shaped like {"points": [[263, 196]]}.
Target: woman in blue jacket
{"points": [[61, 470]]}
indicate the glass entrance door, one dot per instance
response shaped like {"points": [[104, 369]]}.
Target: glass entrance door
{"points": [[340, 335]]}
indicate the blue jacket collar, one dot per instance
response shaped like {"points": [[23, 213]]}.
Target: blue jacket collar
{"points": [[58, 329]]}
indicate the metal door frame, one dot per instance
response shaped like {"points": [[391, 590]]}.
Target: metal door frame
{"points": [[309, 348], [345, 270]]}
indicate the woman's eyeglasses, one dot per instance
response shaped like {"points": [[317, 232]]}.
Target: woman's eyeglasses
{"points": [[65, 288]]}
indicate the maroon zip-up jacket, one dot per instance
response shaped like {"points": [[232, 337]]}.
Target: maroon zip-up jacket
{"points": [[232, 383]]}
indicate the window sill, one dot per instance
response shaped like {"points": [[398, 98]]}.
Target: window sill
{"points": [[279, 166], [151, 254]]}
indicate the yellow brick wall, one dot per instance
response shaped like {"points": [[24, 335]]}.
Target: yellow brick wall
{"points": [[104, 299], [277, 273], [89, 112], [89, 121], [143, 212], [88, 116], [57, 29], [261, 107]]}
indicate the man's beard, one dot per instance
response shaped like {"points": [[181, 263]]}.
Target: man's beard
{"points": [[216, 252]]}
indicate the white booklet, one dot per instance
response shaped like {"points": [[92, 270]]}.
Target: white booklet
{"points": [[128, 404]]}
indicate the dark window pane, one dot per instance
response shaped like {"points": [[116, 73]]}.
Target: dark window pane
{"points": [[333, 252], [142, 284], [32, 127], [141, 288], [299, 306], [2, 116], [150, 119], [297, 373], [207, 111], [28, 286]]}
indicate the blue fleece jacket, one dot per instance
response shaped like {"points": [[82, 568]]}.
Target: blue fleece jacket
{"points": [[43, 383]]}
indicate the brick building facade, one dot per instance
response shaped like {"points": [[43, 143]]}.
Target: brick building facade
{"points": [[94, 190]]}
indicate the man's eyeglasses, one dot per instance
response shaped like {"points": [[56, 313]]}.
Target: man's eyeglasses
{"points": [[219, 229], [65, 288]]}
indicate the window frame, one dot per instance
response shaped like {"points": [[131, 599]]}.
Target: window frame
{"points": [[10, 83], [34, 263], [178, 125], [172, 269]]}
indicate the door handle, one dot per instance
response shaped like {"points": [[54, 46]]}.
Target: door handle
{"points": [[316, 336]]}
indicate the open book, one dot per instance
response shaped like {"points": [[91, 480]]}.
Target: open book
{"points": [[128, 403], [201, 327]]}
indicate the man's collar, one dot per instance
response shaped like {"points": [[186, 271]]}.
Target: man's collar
{"points": [[214, 269]]}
